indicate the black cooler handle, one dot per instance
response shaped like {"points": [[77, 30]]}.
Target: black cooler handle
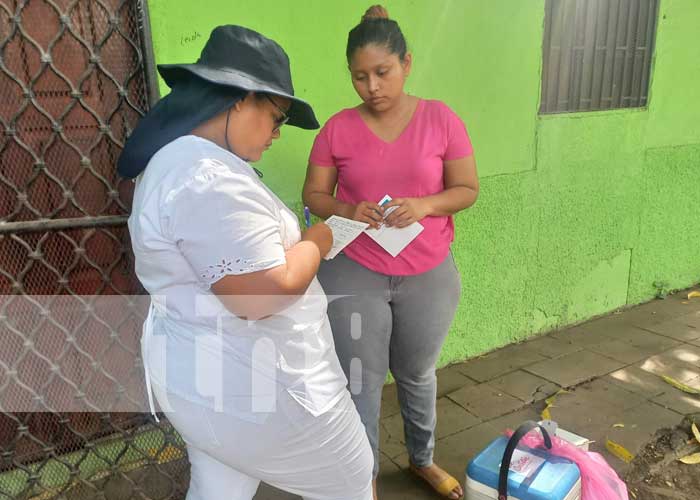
{"points": [[508, 454]]}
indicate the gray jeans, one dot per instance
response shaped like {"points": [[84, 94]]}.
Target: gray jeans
{"points": [[396, 323]]}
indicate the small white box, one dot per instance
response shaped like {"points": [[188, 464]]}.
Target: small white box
{"points": [[575, 439]]}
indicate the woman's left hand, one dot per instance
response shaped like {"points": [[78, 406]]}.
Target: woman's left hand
{"points": [[409, 210]]}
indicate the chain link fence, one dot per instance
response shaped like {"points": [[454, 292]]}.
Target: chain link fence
{"points": [[72, 423]]}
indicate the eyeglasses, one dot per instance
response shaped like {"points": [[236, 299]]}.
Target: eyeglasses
{"points": [[278, 121]]}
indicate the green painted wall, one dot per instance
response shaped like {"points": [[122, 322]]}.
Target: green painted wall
{"points": [[579, 214]]}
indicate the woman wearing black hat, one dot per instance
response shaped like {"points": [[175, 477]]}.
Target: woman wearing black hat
{"points": [[237, 346]]}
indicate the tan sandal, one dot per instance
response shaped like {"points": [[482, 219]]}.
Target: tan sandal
{"points": [[444, 488]]}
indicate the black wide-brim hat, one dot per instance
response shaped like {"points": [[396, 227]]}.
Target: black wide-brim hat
{"points": [[239, 57], [235, 61]]}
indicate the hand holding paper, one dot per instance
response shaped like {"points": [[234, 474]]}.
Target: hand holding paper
{"points": [[394, 239], [402, 212], [344, 231], [369, 212]]}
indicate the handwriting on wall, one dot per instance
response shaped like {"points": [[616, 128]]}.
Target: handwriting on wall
{"points": [[190, 37]]}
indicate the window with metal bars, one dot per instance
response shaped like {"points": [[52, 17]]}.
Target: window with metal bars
{"points": [[597, 54]]}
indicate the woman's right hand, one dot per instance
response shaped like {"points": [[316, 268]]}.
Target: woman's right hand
{"points": [[321, 235], [368, 212]]}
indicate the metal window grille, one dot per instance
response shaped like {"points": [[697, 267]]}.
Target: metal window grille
{"points": [[597, 54], [72, 87]]}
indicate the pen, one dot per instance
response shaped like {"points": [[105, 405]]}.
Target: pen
{"points": [[307, 216]]}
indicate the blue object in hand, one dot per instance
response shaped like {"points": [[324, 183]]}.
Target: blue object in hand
{"points": [[307, 217]]}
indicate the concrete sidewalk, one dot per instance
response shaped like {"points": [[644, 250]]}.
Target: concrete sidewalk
{"points": [[611, 367]]}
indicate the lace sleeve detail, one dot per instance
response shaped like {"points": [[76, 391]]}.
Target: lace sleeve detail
{"points": [[213, 273]]}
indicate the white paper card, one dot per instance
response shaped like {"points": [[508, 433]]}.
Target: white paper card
{"points": [[393, 239], [344, 231], [525, 463]]}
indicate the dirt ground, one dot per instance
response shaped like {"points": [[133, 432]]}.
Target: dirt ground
{"points": [[656, 473]]}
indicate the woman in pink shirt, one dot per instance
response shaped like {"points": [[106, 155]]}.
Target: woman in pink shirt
{"points": [[393, 313]]}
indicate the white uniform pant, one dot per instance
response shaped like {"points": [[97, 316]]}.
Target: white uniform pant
{"points": [[319, 458]]}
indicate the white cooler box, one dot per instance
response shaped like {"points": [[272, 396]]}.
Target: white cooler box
{"points": [[533, 474]]}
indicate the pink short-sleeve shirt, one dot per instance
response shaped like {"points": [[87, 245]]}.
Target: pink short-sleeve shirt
{"points": [[411, 166]]}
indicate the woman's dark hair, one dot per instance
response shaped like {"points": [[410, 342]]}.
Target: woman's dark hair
{"points": [[376, 27]]}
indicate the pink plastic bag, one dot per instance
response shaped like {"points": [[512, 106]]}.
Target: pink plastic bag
{"points": [[599, 481]]}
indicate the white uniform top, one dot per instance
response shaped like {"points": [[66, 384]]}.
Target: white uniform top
{"points": [[200, 213]]}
